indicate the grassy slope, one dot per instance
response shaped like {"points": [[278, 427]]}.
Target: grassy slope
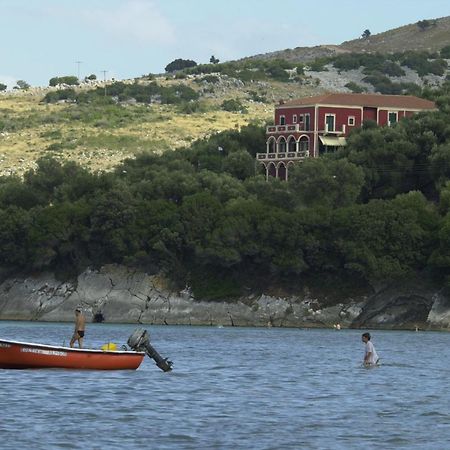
{"points": [[100, 137], [408, 37]]}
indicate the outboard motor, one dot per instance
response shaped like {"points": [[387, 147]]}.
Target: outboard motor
{"points": [[139, 341]]}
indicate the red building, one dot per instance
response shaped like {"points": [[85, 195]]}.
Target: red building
{"points": [[311, 126]]}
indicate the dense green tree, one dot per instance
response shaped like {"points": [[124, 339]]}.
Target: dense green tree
{"points": [[179, 64], [326, 182], [69, 80], [3, 87]]}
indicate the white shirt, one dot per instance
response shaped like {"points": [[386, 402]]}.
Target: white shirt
{"points": [[373, 354]]}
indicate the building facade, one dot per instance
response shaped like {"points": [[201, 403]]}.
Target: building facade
{"points": [[311, 126]]}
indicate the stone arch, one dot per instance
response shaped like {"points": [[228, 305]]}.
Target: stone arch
{"points": [[282, 171], [271, 145], [303, 143], [271, 170], [282, 144], [291, 144]]}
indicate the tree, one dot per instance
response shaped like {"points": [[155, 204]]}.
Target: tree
{"points": [[366, 34], [423, 24], [213, 60], [326, 182], [21, 84], [91, 77], [179, 64], [69, 79], [445, 52], [3, 87]]}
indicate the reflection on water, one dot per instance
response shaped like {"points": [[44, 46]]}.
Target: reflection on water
{"points": [[237, 388]]}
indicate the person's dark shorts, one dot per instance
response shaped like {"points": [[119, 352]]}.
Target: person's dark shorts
{"points": [[80, 333]]}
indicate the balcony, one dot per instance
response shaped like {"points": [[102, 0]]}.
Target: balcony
{"points": [[333, 132], [297, 127], [282, 156]]}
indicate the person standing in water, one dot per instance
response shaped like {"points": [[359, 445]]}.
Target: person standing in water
{"points": [[370, 355], [80, 326]]}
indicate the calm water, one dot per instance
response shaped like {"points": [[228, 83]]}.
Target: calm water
{"points": [[234, 388]]}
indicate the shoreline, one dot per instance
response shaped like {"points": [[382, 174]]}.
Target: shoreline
{"points": [[125, 296]]}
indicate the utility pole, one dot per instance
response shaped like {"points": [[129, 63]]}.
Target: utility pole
{"points": [[78, 63], [104, 78]]}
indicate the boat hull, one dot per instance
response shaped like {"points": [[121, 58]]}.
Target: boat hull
{"points": [[22, 355]]}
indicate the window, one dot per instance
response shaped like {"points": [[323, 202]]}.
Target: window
{"points": [[329, 122], [351, 121], [392, 118], [282, 120], [294, 118], [307, 122]]}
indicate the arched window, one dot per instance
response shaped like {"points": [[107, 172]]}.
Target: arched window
{"points": [[271, 145], [304, 144], [292, 144], [282, 145], [282, 172], [289, 166], [271, 170]]}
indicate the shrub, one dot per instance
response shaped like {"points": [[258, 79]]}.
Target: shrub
{"points": [[179, 64], [356, 88], [233, 105], [445, 52], [69, 80]]}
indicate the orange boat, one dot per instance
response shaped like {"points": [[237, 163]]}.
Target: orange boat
{"points": [[22, 355]]}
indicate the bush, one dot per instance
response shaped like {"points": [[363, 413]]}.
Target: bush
{"points": [[3, 87], [69, 80], [355, 88], [233, 105], [179, 64], [63, 94], [445, 52]]}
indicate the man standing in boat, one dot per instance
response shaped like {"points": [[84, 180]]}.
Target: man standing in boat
{"points": [[80, 326]]}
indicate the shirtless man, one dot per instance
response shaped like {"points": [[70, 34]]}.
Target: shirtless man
{"points": [[80, 325]]}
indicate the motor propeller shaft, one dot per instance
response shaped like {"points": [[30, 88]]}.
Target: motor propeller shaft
{"points": [[139, 341]]}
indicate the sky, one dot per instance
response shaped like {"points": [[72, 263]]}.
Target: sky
{"points": [[41, 39]]}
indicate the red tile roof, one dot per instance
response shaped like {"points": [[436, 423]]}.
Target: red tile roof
{"points": [[369, 100]]}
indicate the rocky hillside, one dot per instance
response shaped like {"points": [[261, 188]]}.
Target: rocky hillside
{"points": [[430, 37], [99, 135], [409, 37]]}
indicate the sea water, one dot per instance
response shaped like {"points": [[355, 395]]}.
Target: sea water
{"points": [[234, 388]]}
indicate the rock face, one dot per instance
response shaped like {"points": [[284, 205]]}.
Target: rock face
{"points": [[122, 295]]}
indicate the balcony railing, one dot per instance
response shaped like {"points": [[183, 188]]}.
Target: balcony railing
{"points": [[282, 156], [272, 129], [334, 132]]}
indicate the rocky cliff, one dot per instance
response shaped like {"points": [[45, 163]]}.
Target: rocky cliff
{"points": [[127, 296]]}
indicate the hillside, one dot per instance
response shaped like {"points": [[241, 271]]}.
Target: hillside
{"points": [[408, 37], [100, 136]]}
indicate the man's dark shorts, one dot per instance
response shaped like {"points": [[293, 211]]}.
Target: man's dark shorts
{"points": [[80, 333]]}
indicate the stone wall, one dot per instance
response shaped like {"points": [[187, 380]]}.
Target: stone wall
{"points": [[126, 296]]}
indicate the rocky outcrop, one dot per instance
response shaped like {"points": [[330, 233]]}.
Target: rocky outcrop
{"points": [[122, 295]]}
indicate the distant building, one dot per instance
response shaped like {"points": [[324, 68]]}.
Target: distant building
{"points": [[311, 126]]}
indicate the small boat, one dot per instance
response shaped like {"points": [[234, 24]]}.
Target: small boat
{"points": [[24, 355]]}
